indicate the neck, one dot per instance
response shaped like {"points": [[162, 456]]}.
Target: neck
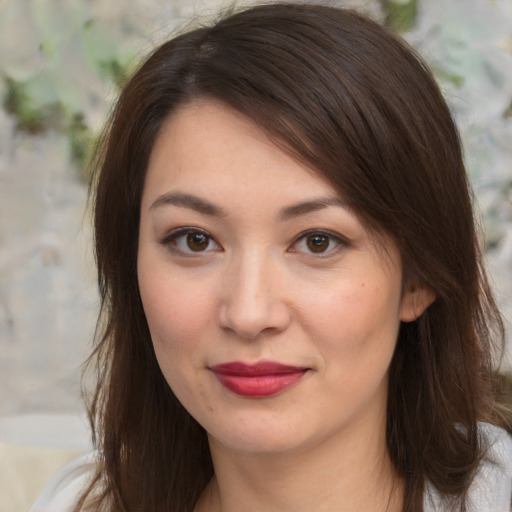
{"points": [[351, 471]]}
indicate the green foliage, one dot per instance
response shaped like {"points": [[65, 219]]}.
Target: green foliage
{"points": [[445, 75], [508, 111], [401, 14], [30, 116], [36, 119], [81, 141], [114, 71], [56, 87], [107, 56]]}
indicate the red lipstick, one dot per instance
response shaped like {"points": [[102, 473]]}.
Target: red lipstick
{"points": [[257, 380]]}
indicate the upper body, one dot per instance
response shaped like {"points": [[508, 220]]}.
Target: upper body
{"points": [[491, 489]]}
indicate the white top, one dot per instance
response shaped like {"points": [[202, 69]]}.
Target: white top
{"points": [[491, 490], [65, 488]]}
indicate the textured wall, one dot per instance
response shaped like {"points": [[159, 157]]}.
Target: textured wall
{"points": [[61, 63]]}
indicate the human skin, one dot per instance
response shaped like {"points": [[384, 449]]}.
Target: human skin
{"points": [[266, 263]]}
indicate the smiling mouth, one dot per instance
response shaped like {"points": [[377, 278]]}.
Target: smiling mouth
{"points": [[257, 380]]}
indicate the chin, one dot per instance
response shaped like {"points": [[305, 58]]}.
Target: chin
{"points": [[262, 445], [264, 437]]}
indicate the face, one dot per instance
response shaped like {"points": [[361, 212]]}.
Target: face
{"points": [[273, 315]]}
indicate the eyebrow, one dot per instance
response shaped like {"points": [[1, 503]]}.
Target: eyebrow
{"points": [[188, 201], [309, 206], [205, 207]]}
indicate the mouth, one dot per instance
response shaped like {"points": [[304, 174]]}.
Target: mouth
{"points": [[257, 380]]}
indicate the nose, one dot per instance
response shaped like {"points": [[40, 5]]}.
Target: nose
{"points": [[252, 298]]}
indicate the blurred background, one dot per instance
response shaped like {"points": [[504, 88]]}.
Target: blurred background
{"points": [[62, 63]]}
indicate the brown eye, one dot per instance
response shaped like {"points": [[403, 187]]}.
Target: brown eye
{"points": [[317, 243], [189, 241], [197, 241]]}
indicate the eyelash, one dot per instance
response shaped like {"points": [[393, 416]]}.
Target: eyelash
{"points": [[172, 239], [331, 237]]}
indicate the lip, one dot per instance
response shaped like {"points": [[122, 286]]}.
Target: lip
{"points": [[257, 380]]}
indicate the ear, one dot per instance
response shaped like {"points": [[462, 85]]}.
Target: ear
{"points": [[415, 300]]}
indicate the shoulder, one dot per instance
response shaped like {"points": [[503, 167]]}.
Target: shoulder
{"points": [[492, 486], [499, 442], [491, 489], [64, 489]]}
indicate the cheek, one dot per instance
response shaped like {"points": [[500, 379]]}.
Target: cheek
{"points": [[355, 326], [178, 314], [355, 313], [357, 329], [178, 319]]}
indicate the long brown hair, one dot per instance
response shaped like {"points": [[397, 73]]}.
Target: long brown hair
{"points": [[359, 107]]}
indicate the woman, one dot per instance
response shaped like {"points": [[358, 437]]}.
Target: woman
{"points": [[295, 314]]}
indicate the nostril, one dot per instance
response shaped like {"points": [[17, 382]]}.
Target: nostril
{"points": [[251, 297], [251, 320]]}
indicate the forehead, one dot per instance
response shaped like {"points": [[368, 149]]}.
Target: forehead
{"points": [[212, 149]]}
